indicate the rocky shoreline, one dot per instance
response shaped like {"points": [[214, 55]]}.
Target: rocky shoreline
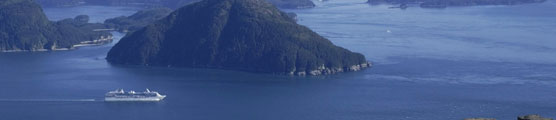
{"points": [[102, 40], [323, 70], [526, 117]]}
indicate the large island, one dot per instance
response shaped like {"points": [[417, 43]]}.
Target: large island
{"points": [[24, 27], [247, 35]]}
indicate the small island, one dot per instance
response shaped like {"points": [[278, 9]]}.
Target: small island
{"points": [[26, 28], [247, 35], [447, 3]]}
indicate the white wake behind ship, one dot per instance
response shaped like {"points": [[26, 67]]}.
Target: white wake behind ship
{"points": [[120, 95]]}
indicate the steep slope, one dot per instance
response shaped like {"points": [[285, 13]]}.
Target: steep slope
{"points": [[24, 27], [249, 35]]}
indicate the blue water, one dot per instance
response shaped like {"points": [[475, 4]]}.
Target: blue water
{"points": [[455, 63]]}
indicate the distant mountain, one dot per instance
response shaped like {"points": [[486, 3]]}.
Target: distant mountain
{"points": [[445, 3], [137, 20], [527, 117], [290, 4], [533, 117], [248, 35], [60, 3], [24, 27], [144, 18]]}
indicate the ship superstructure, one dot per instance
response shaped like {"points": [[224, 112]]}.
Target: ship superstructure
{"points": [[121, 95]]}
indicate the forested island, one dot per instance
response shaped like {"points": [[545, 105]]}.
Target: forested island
{"points": [[137, 20], [247, 35], [24, 27], [289, 4], [446, 3]]}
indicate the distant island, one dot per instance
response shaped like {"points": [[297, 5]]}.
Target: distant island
{"points": [[24, 27], [145, 17], [446, 3], [247, 35], [137, 20], [526, 117], [293, 4], [60, 3], [288, 4]]}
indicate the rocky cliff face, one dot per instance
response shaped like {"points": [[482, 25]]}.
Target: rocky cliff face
{"points": [[248, 35], [24, 27]]}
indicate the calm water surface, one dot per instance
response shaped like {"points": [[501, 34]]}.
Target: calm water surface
{"points": [[455, 63]]}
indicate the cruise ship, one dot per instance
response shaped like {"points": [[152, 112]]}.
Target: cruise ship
{"points": [[120, 95]]}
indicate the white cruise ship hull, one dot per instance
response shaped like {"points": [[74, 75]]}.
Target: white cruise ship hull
{"points": [[146, 99]]}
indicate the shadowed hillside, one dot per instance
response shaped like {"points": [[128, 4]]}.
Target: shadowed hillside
{"points": [[249, 35], [26, 28]]}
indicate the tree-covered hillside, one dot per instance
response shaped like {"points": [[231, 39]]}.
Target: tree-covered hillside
{"points": [[250, 35], [24, 26], [137, 20]]}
